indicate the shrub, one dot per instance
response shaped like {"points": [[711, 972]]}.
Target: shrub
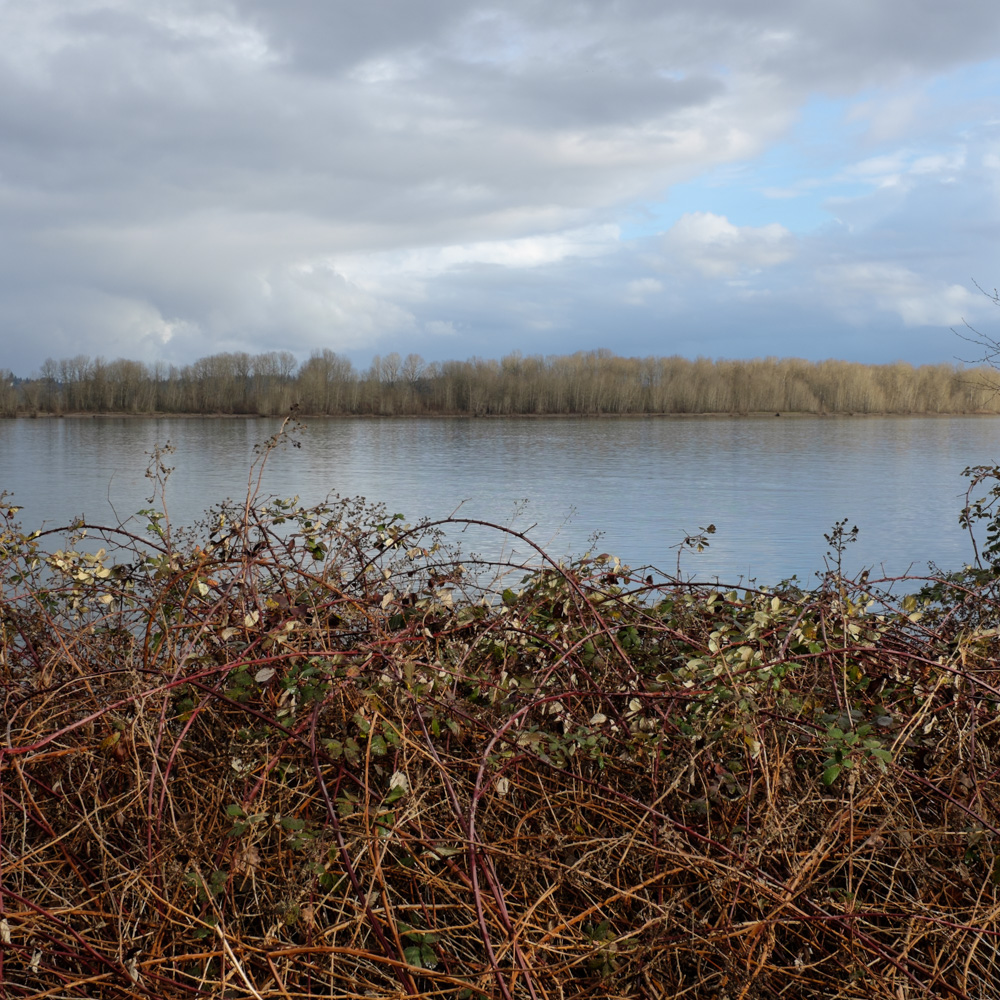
{"points": [[311, 751]]}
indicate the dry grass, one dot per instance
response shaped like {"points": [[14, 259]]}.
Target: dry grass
{"points": [[307, 759]]}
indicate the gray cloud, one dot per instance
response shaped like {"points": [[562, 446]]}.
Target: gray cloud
{"points": [[182, 177]]}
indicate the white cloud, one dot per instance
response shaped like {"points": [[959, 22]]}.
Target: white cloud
{"points": [[903, 165], [939, 164], [130, 326], [637, 291], [917, 300], [881, 171], [441, 328], [717, 248], [526, 252], [889, 116], [313, 305], [405, 273]]}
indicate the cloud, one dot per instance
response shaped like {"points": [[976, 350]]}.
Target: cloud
{"points": [[893, 288], [640, 289], [311, 305], [904, 166], [440, 328], [405, 274], [889, 117], [715, 247], [195, 176]]}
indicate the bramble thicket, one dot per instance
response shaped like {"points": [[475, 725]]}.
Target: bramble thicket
{"points": [[320, 752]]}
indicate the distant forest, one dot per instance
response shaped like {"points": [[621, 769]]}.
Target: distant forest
{"points": [[588, 382]]}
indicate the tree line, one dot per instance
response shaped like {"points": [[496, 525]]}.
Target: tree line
{"points": [[587, 382]]}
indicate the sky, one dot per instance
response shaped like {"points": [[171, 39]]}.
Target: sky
{"points": [[709, 178]]}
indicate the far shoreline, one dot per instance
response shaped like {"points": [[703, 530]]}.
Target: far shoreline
{"points": [[461, 414]]}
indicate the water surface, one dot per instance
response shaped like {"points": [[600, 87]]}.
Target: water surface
{"points": [[771, 487]]}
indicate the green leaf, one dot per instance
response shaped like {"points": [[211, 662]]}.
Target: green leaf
{"points": [[234, 810], [421, 955], [831, 774], [292, 823]]}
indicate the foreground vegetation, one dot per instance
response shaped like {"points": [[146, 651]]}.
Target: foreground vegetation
{"points": [[592, 382], [317, 753]]}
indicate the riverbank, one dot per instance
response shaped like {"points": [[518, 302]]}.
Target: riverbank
{"points": [[588, 382], [456, 414], [310, 750]]}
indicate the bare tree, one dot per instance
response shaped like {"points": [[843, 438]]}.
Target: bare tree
{"points": [[8, 393], [989, 346]]}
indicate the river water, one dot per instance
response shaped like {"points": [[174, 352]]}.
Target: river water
{"points": [[772, 487]]}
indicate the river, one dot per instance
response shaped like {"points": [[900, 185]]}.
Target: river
{"points": [[772, 487]]}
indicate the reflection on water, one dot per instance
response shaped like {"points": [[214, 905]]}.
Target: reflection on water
{"points": [[772, 487]]}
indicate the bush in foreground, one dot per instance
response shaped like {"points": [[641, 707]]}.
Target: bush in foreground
{"points": [[313, 753]]}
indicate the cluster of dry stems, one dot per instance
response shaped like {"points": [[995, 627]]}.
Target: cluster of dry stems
{"points": [[315, 759]]}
